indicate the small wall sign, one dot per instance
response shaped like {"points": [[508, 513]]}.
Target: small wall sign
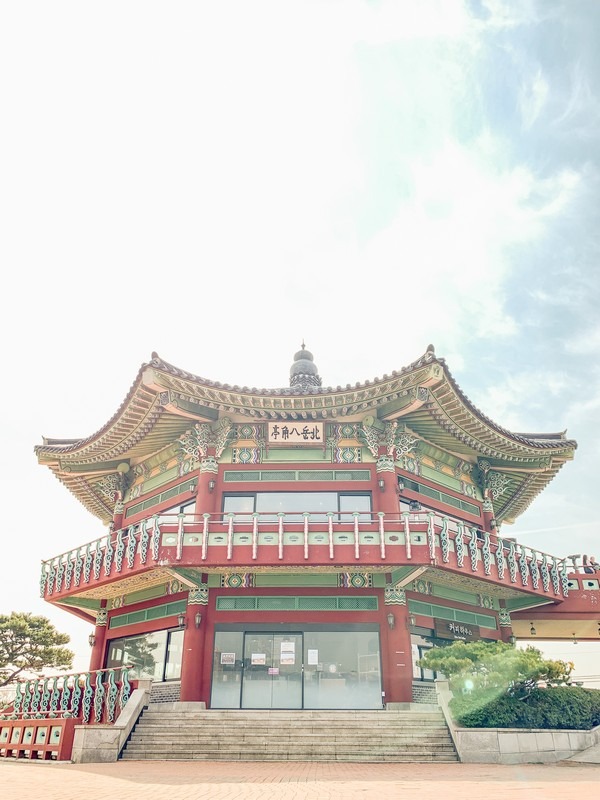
{"points": [[446, 629]]}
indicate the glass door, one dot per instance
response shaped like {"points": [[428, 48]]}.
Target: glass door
{"points": [[272, 675]]}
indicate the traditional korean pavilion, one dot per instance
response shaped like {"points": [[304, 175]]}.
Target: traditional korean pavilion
{"points": [[301, 547]]}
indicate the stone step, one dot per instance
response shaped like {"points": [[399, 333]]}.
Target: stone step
{"points": [[309, 725], [157, 734], [286, 735], [181, 710], [249, 755], [250, 746], [399, 758], [174, 719]]}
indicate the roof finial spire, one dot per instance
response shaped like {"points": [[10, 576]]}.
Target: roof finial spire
{"points": [[303, 372]]}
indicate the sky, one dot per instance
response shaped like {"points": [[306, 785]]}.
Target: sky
{"points": [[218, 181]]}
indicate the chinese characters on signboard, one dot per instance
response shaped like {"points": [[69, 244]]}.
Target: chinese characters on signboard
{"points": [[456, 630], [295, 433]]}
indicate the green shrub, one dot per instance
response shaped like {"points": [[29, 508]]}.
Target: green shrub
{"points": [[561, 707]]}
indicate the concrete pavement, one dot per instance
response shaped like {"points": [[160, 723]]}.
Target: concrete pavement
{"points": [[188, 780]]}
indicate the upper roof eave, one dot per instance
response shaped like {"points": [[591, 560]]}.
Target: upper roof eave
{"points": [[143, 394]]}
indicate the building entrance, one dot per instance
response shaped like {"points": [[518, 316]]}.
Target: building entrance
{"points": [[316, 667], [272, 670]]}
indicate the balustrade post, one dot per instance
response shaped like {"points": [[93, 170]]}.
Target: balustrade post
{"points": [[205, 520], [180, 535], [230, 535], [255, 516], [381, 516], [405, 518], [281, 515], [330, 516], [306, 515], [356, 515]]}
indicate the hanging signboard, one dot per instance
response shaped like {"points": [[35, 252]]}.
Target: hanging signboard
{"points": [[446, 629], [295, 433]]}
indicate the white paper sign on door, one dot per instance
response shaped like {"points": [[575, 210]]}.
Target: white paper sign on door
{"points": [[288, 653]]}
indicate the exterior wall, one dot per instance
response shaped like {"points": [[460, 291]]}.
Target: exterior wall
{"points": [[176, 482], [519, 746], [424, 692]]}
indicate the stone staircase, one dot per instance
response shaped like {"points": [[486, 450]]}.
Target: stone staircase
{"points": [[181, 732]]}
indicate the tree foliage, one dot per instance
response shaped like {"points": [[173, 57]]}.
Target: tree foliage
{"points": [[494, 674], [29, 644], [495, 668]]}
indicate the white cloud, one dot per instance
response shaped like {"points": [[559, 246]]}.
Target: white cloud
{"points": [[585, 343], [516, 401], [533, 96]]}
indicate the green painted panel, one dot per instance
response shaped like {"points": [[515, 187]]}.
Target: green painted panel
{"points": [[145, 594], [168, 494], [449, 593], [444, 497], [302, 454], [80, 602], [189, 574], [301, 603], [446, 612], [440, 478], [297, 579], [402, 573], [521, 603], [146, 614], [162, 478]]}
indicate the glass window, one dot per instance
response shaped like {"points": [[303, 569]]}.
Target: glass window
{"points": [[275, 502], [239, 504], [169, 515], [419, 646], [174, 656], [342, 670], [227, 669], [154, 655], [293, 504], [355, 502]]}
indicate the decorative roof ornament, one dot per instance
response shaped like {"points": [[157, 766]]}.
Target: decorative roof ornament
{"points": [[303, 372]]}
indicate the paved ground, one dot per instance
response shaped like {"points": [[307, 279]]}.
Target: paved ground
{"points": [[184, 780]]}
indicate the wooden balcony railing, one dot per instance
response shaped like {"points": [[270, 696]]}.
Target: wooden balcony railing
{"points": [[40, 721], [306, 538]]}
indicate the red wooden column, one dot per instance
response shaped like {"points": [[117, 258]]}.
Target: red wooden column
{"points": [[397, 656], [387, 493], [489, 522], [206, 496], [97, 655], [505, 623], [193, 645]]}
